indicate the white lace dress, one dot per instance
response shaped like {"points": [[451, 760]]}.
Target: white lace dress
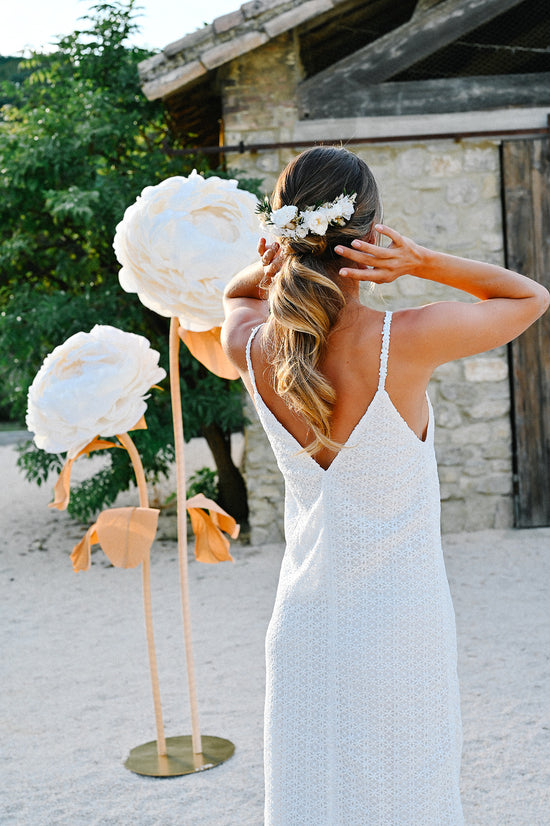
{"points": [[362, 710]]}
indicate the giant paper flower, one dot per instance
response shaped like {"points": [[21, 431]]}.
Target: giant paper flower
{"points": [[95, 383], [182, 241]]}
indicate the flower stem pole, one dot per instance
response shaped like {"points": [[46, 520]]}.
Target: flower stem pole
{"points": [[137, 465], [175, 392]]}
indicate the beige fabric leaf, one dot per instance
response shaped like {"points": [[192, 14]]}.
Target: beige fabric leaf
{"points": [[81, 556], [126, 534], [62, 488], [141, 425], [207, 349], [211, 545]]}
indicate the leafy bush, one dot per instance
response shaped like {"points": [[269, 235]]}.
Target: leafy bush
{"points": [[205, 481]]}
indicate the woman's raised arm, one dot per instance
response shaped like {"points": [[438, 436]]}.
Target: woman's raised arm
{"points": [[245, 303], [447, 330]]}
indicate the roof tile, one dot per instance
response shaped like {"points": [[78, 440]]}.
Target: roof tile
{"points": [[295, 16], [228, 21], [172, 81], [232, 48], [188, 41]]}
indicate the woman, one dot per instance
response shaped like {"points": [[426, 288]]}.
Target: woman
{"points": [[362, 713]]}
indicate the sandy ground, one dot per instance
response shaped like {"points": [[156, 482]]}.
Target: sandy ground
{"points": [[76, 694]]}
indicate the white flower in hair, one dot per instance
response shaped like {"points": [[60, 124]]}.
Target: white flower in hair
{"points": [[284, 216], [333, 211], [288, 222], [345, 203], [317, 220], [300, 232]]}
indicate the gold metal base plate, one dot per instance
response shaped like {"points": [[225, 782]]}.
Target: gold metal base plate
{"points": [[180, 758]]}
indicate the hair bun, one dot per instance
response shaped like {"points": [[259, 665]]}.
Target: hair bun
{"points": [[314, 245]]}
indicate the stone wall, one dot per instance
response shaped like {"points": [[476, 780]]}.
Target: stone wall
{"points": [[444, 194]]}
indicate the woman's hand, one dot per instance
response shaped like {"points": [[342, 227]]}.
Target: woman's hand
{"points": [[272, 259], [448, 330], [382, 264]]}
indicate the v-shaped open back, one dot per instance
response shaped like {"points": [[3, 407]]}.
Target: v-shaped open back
{"points": [[270, 421]]}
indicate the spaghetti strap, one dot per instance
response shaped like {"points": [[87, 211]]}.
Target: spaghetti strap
{"points": [[249, 360], [384, 351]]}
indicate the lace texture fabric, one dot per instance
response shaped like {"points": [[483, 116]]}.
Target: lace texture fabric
{"points": [[362, 708]]}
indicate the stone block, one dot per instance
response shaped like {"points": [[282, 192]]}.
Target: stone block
{"points": [[492, 257], [265, 491], [498, 450], [504, 513], [492, 241], [448, 474], [451, 455], [485, 369], [474, 467], [448, 415], [499, 483], [453, 516], [463, 191], [467, 485], [291, 19], [440, 226], [228, 21], [452, 370], [490, 409], [457, 395], [495, 390], [500, 466], [490, 187], [481, 159], [268, 534], [480, 512], [410, 163], [268, 162], [224, 52], [444, 166], [472, 434]]}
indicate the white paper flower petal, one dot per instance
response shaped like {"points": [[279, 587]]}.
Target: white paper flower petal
{"points": [[182, 241], [93, 384]]}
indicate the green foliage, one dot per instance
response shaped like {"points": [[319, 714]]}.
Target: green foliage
{"points": [[78, 143], [203, 481]]}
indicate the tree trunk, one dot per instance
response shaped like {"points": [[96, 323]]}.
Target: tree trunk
{"points": [[231, 486]]}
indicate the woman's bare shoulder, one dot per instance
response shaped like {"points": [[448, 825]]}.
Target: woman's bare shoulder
{"points": [[238, 326]]}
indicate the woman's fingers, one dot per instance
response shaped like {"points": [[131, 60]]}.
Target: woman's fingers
{"points": [[395, 236], [367, 274], [363, 252]]}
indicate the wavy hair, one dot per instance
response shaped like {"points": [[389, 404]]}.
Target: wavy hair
{"points": [[304, 297]]}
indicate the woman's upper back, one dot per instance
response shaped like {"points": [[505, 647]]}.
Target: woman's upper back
{"points": [[351, 365]]}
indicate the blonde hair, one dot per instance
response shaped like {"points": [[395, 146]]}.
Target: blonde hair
{"points": [[305, 300]]}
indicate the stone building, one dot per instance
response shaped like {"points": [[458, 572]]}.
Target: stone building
{"points": [[448, 101]]}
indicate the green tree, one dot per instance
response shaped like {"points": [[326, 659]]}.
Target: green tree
{"points": [[78, 143]]}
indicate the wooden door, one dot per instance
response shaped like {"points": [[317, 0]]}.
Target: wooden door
{"points": [[526, 185]]}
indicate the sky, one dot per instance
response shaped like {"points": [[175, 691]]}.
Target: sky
{"points": [[34, 24]]}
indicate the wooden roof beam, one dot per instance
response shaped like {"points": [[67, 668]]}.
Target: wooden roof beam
{"points": [[424, 34]]}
